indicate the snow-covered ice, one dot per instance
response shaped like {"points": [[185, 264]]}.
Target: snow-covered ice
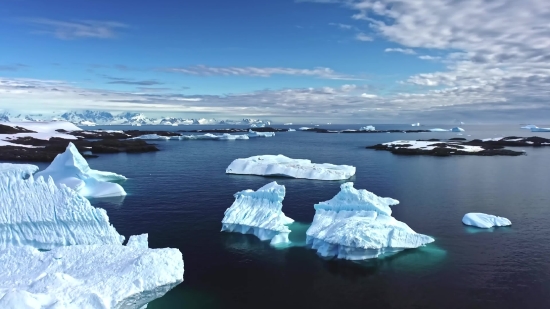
{"points": [[367, 128], [209, 136], [139, 241], [415, 124], [439, 130], [152, 137], [39, 213], [529, 127], [259, 213], [357, 225], [260, 134], [71, 169], [457, 129], [279, 165], [304, 128], [17, 170], [291, 130], [425, 145], [44, 131], [485, 221], [87, 277]]}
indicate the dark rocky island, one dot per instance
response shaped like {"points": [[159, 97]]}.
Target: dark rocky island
{"points": [[459, 146]]}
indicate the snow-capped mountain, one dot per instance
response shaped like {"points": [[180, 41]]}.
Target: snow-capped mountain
{"points": [[91, 118]]}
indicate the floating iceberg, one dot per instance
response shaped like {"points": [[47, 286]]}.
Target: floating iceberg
{"points": [[457, 129], [260, 134], [288, 124], [529, 127], [271, 165], [38, 213], [357, 225], [259, 213], [304, 128], [439, 130], [99, 276], [485, 221], [21, 171], [209, 136], [71, 169], [367, 128], [291, 130], [152, 137], [540, 129], [416, 124]]}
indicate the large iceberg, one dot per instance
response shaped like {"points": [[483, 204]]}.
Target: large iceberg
{"points": [[529, 127], [540, 129], [279, 165], [39, 213], [367, 128], [357, 225], [438, 130], [17, 170], [259, 213], [457, 129], [484, 221], [87, 277], [71, 169]]}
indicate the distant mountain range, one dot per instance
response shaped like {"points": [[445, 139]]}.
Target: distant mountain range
{"points": [[92, 118]]}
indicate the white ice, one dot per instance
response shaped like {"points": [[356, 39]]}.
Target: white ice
{"points": [[529, 127], [209, 136], [259, 213], [152, 137], [138, 241], [304, 128], [87, 276], [439, 130], [457, 129], [260, 134], [291, 130], [415, 124], [44, 131], [357, 225], [279, 165], [17, 170], [367, 128], [39, 213], [425, 145], [71, 169], [485, 221], [540, 129]]}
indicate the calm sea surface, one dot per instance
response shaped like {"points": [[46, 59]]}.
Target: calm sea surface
{"points": [[179, 194]]}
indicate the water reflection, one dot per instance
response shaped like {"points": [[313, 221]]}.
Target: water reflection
{"points": [[114, 201]]}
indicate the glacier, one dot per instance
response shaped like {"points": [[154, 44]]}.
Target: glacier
{"points": [[39, 213], [279, 165], [71, 169], [259, 213], [260, 134], [484, 221], [357, 225], [87, 276]]}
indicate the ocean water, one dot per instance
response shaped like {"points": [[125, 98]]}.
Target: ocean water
{"points": [[179, 194]]}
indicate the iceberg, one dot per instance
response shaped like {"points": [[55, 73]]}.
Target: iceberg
{"points": [[17, 170], [367, 128], [291, 130], [152, 137], [529, 127], [89, 277], [39, 213], [304, 128], [259, 213], [540, 129], [484, 221], [357, 225], [209, 136], [439, 130], [279, 165], [260, 134], [457, 129], [415, 124], [71, 169]]}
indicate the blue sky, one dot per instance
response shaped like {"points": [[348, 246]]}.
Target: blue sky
{"points": [[327, 59]]}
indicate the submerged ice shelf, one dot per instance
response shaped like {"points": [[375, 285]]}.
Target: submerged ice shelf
{"points": [[71, 169], [259, 213], [484, 221], [357, 225], [271, 165]]}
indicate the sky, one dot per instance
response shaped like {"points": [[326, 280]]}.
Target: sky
{"points": [[340, 61]]}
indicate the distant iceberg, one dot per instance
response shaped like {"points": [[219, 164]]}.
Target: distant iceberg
{"points": [[100, 276], [304, 128], [416, 124], [260, 134], [457, 129], [367, 128], [209, 136], [71, 169], [288, 124], [291, 130], [152, 137], [540, 129], [357, 225], [485, 221], [529, 127], [259, 213], [38, 213], [271, 165], [439, 130]]}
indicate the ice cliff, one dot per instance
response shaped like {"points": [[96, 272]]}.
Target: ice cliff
{"points": [[271, 165], [357, 225], [259, 213], [71, 169]]}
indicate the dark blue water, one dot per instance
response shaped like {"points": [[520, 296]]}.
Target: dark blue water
{"points": [[179, 194]]}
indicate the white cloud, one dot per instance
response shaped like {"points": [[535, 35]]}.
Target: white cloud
{"points": [[342, 26], [203, 70], [369, 96], [407, 51], [428, 57], [363, 37], [76, 29]]}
